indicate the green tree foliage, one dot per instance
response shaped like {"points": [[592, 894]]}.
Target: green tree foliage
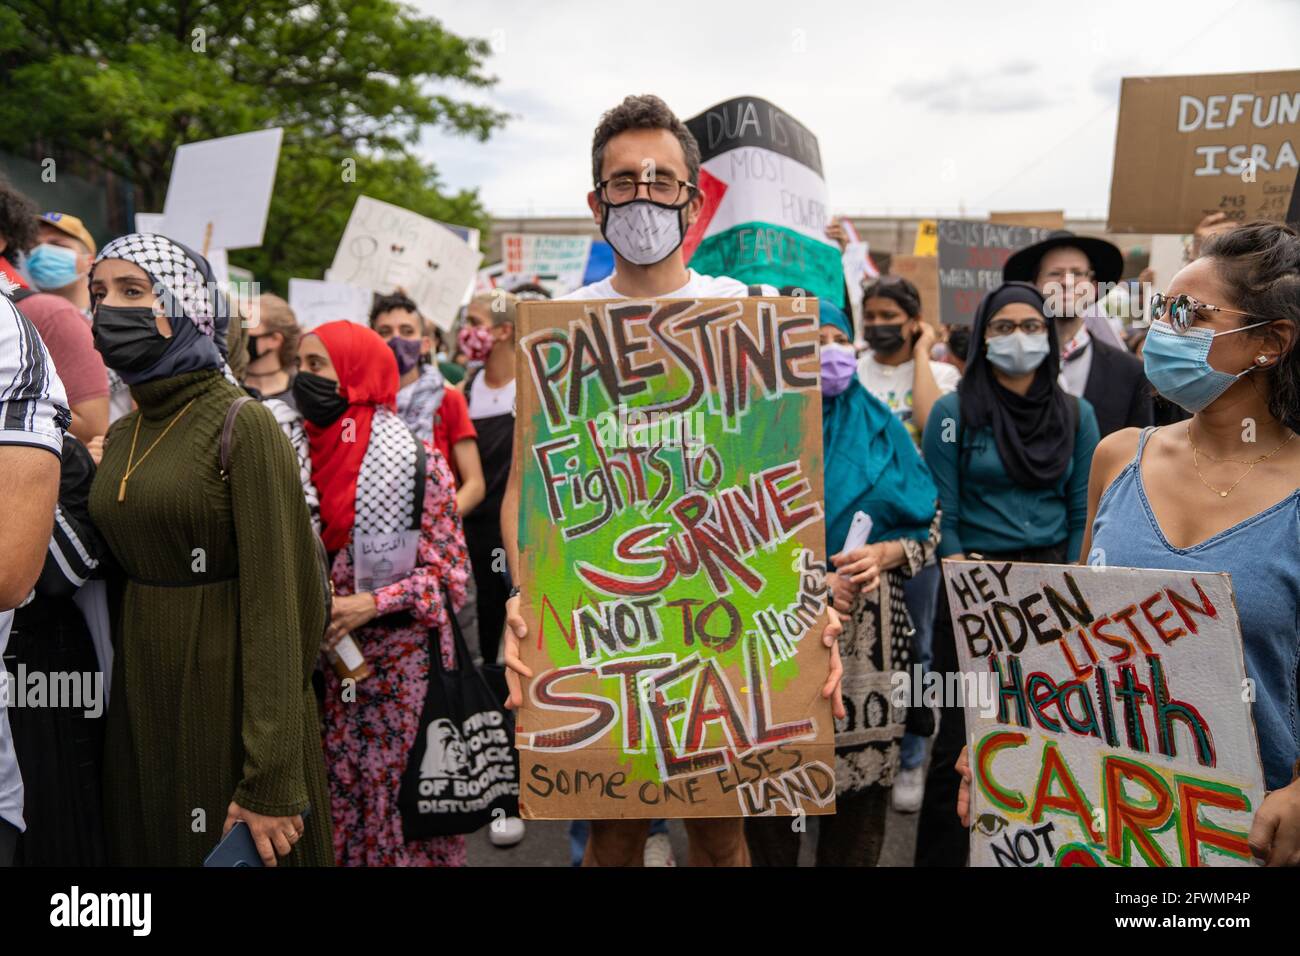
{"points": [[121, 83]]}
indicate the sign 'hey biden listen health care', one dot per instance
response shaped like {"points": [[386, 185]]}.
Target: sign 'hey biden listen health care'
{"points": [[1116, 727]]}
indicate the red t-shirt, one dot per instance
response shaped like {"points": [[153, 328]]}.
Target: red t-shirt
{"points": [[66, 334], [452, 424]]}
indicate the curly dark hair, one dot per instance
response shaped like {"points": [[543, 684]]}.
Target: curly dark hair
{"points": [[395, 300], [643, 112], [1260, 264], [18, 214]]}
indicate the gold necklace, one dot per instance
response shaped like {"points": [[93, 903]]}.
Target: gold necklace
{"points": [[131, 464], [1223, 494], [1236, 461]]}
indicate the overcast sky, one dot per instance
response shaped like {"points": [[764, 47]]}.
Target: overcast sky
{"points": [[931, 106]]}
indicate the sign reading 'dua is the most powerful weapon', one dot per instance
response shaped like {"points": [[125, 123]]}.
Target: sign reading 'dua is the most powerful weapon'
{"points": [[672, 550], [1107, 713]]}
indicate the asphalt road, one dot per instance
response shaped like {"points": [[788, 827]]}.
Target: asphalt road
{"points": [[546, 843]]}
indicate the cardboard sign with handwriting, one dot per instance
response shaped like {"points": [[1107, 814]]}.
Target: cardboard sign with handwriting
{"points": [[1108, 715], [672, 549], [1189, 146]]}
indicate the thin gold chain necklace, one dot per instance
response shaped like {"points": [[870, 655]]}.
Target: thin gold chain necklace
{"points": [[131, 464], [1223, 494]]}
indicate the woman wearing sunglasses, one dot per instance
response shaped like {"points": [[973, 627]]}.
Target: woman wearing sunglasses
{"points": [[1010, 453], [1221, 491]]}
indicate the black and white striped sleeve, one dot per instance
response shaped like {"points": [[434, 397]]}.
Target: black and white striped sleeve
{"points": [[33, 406], [75, 546]]}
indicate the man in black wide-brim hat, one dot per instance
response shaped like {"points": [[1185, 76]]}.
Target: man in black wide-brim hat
{"points": [[1094, 364]]}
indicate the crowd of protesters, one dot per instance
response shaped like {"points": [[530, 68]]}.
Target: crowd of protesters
{"points": [[187, 490]]}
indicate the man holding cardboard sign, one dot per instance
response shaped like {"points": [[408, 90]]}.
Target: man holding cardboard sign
{"points": [[645, 164]]}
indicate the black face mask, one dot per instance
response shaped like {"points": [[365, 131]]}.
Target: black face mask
{"points": [[318, 399], [128, 339], [959, 341], [883, 339]]}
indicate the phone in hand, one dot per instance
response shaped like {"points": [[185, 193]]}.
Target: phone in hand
{"points": [[237, 847], [859, 531]]}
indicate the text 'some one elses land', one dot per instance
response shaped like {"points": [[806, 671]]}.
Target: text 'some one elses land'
{"points": [[672, 548], [1117, 727]]}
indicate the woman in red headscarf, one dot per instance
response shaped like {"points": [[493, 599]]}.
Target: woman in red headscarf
{"points": [[382, 492]]}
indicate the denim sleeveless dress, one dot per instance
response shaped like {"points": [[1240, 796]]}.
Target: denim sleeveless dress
{"points": [[1262, 554]]}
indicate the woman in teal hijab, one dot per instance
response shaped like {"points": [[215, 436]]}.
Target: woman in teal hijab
{"points": [[872, 466], [871, 462]]}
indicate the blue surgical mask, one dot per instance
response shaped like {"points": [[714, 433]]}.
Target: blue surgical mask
{"points": [[51, 267], [1018, 353], [1179, 365]]}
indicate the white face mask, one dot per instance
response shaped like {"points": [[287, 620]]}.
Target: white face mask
{"points": [[1019, 352], [643, 232]]}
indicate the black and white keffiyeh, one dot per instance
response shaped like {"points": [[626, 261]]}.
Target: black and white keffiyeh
{"points": [[184, 277], [419, 402], [390, 484]]}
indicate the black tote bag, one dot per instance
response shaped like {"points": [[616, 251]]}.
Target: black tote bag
{"points": [[463, 769]]}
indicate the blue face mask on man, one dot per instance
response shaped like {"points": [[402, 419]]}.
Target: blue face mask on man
{"points": [[1178, 365], [51, 267]]}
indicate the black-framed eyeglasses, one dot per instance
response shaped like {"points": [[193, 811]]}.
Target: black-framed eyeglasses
{"points": [[1180, 310], [664, 189], [1000, 327]]}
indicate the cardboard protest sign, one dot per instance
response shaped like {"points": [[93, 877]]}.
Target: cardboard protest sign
{"points": [[971, 257], [1107, 714], [220, 190], [315, 302], [1189, 146], [386, 247], [1046, 219], [557, 262], [672, 543], [765, 206], [922, 272]]}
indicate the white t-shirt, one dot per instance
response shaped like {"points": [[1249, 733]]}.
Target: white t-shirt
{"points": [[487, 402], [697, 287], [33, 412], [892, 384]]}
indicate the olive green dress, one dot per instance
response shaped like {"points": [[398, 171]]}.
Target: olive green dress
{"points": [[218, 629]]}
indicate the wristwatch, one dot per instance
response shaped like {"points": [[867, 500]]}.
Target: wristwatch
{"points": [[514, 592]]}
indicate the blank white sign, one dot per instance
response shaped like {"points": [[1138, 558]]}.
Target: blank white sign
{"points": [[224, 182], [315, 303]]}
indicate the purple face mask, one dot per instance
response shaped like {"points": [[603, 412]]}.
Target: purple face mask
{"points": [[407, 352], [839, 366]]}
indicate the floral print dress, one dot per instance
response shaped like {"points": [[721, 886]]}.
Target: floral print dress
{"points": [[368, 740]]}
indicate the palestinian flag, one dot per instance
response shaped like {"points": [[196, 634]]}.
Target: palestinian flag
{"points": [[765, 211]]}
